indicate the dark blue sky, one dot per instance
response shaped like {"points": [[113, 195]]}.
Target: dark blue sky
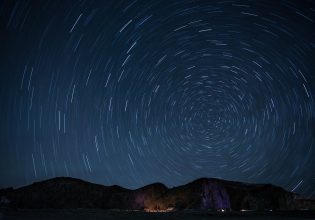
{"points": [[135, 92]]}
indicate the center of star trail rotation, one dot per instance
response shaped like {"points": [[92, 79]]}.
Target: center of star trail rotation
{"points": [[135, 92]]}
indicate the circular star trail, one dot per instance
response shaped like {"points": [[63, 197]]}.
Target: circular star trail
{"points": [[135, 92]]}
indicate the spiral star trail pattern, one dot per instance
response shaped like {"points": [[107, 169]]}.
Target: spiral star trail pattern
{"points": [[135, 92]]}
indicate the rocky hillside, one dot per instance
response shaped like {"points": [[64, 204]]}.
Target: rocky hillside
{"points": [[201, 194]]}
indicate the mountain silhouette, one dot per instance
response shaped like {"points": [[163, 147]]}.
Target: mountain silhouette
{"points": [[201, 194]]}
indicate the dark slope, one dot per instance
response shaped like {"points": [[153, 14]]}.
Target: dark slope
{"points": [[204, 193]]}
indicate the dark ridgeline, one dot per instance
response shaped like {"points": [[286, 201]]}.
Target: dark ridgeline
{"points": [[201, 194]]}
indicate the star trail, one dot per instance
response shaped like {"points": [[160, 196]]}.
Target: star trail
{"points": [[135, 92]]}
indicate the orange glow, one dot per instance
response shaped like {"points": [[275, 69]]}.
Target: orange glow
{"points": [[169, 209]]}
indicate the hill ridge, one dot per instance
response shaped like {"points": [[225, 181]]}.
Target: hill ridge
{"points": [[199, 194]]}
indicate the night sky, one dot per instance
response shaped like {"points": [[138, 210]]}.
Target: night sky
{"points": [[135, 92]]}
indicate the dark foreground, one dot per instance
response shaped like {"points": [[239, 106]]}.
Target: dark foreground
{"points": [[77, 214], [202, 194]]}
